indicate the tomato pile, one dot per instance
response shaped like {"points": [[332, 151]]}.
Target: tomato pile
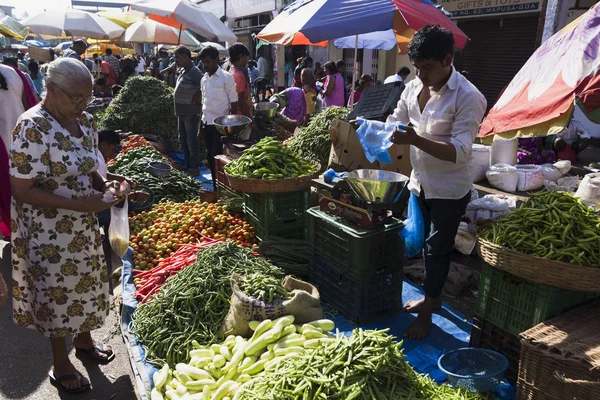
{"points": [[159, 232]]}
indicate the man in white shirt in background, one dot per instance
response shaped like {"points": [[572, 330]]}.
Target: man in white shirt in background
{"points": [[399, 76], [262, 66], [442, 111], [219, 98]]}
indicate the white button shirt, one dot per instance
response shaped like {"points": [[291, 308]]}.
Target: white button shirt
{"points": [[451, 115], [218, 92]]}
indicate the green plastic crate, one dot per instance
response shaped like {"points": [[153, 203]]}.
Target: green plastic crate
{"points": [[361, 252], [515, 304], [291, 229], [277, 208]]}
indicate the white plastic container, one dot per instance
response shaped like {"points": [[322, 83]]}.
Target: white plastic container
{"points": [[503, 152], [531, 177], [503, 177], [481, 161]]}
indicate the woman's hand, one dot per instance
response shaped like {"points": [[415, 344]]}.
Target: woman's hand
{"points": [[94, 204]]}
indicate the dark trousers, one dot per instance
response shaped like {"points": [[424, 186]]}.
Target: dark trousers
{"points": [[442, 218], [188, 139], [214, 147]]}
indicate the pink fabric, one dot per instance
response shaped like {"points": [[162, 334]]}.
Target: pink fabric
{"points": [[5, 192], [30, 96], [336, 98]]}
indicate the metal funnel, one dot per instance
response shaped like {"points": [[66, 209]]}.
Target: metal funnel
{"points": [[376, 186]]}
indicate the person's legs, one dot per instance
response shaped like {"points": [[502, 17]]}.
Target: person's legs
{"points": [[214, 147], [62, 365], [191, 127], [183, 141], [444, 216], [84, 341]]}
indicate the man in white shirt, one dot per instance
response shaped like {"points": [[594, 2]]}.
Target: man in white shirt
{"points": [[263, 66], [399, 76], [141, 65], [11, 104], [219, 98], [442, 111]]}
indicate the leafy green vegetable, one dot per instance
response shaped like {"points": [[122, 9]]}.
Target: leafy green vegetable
{"points": [[313, 142], [144, 106]]}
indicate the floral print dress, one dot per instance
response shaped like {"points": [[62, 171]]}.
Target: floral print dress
{"points": [[60, 279]]}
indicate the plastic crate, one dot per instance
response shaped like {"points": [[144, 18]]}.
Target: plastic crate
{"points": [[486, 335], [360, 252], [516, 304], [363, 300], [220, 177], [276, 208], [293, 229]]}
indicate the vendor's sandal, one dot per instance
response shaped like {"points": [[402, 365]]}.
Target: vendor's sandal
{"points": [[93, 353], [68, 377]]}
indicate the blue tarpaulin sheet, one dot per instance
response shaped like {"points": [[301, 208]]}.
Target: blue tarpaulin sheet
{"points": [[205, 177], [450, 330]]}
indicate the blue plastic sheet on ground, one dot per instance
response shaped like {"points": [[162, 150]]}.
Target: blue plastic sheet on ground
{"points": [[205, 177], [450, 330]]}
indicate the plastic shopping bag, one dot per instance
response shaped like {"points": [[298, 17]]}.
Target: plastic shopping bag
{"points": [[413, 232], [118, 231], [376, 138]]}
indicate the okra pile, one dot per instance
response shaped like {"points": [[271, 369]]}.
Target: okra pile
{"points": [[552, 225], [264, 288], [269, 159]]}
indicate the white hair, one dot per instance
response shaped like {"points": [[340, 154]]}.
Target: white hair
{"points": [[65, 72]]}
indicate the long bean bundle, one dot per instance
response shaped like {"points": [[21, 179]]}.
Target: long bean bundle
{"points": [[367, 365], [193, 304], [553, 225]]}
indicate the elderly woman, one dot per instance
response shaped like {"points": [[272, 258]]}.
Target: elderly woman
{"points": [[60, 280]]}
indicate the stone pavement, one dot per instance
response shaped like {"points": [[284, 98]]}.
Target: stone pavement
{"points": [[26, 358]]}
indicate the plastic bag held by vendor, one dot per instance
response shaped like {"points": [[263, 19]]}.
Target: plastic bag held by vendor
{"points": [[376, 138]]}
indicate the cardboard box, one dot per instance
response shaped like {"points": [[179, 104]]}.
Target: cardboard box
{"points": [[401, 160], [347, 154], [39, 54]]}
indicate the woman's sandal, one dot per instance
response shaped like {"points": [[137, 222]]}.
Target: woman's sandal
{"points": [[68, 377], [93, 351]]}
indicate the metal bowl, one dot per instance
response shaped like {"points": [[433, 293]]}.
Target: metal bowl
{"points": [[266, 109], [377, 186], [232, 125]]}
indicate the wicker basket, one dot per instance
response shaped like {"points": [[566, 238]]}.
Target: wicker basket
{"points": [[560, 357], [540, 270], [271, 185]]}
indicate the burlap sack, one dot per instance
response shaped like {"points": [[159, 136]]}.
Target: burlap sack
{"points": [[304, 305]]}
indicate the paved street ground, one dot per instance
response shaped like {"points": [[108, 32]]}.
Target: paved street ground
{"points": [[26, 358]]}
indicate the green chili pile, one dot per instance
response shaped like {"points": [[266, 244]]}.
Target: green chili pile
{"points": [[313, 142], [193, 304], [143, 106], [263, 287], [269, 159], [552, 225], [367, 365]]}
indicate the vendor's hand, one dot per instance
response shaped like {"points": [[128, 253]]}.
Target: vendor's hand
{"points": [[405, 136], [197, 98], [115, 188], [132, 182], [94, 204]]}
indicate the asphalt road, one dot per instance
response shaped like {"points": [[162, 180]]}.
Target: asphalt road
{"points": [[26, 359]]}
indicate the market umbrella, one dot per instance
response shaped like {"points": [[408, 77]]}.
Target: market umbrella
{"points": [[63, 46], [222, 49], [121, 18], [71, 22], [100, 48], [564, 67], [381, 40], [314, 21], [11, 27], [185, 14], [148, 31]]}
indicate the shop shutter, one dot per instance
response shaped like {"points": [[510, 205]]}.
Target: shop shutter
{"points": [[498, 48]]}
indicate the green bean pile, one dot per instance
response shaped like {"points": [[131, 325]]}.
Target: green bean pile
{"points": [[263, 287], [313, 142], [269, 159], [367, 365], [193, 304], [552, 225]]}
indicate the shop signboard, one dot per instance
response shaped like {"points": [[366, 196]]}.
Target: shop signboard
{"points": [[484, 8]]}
